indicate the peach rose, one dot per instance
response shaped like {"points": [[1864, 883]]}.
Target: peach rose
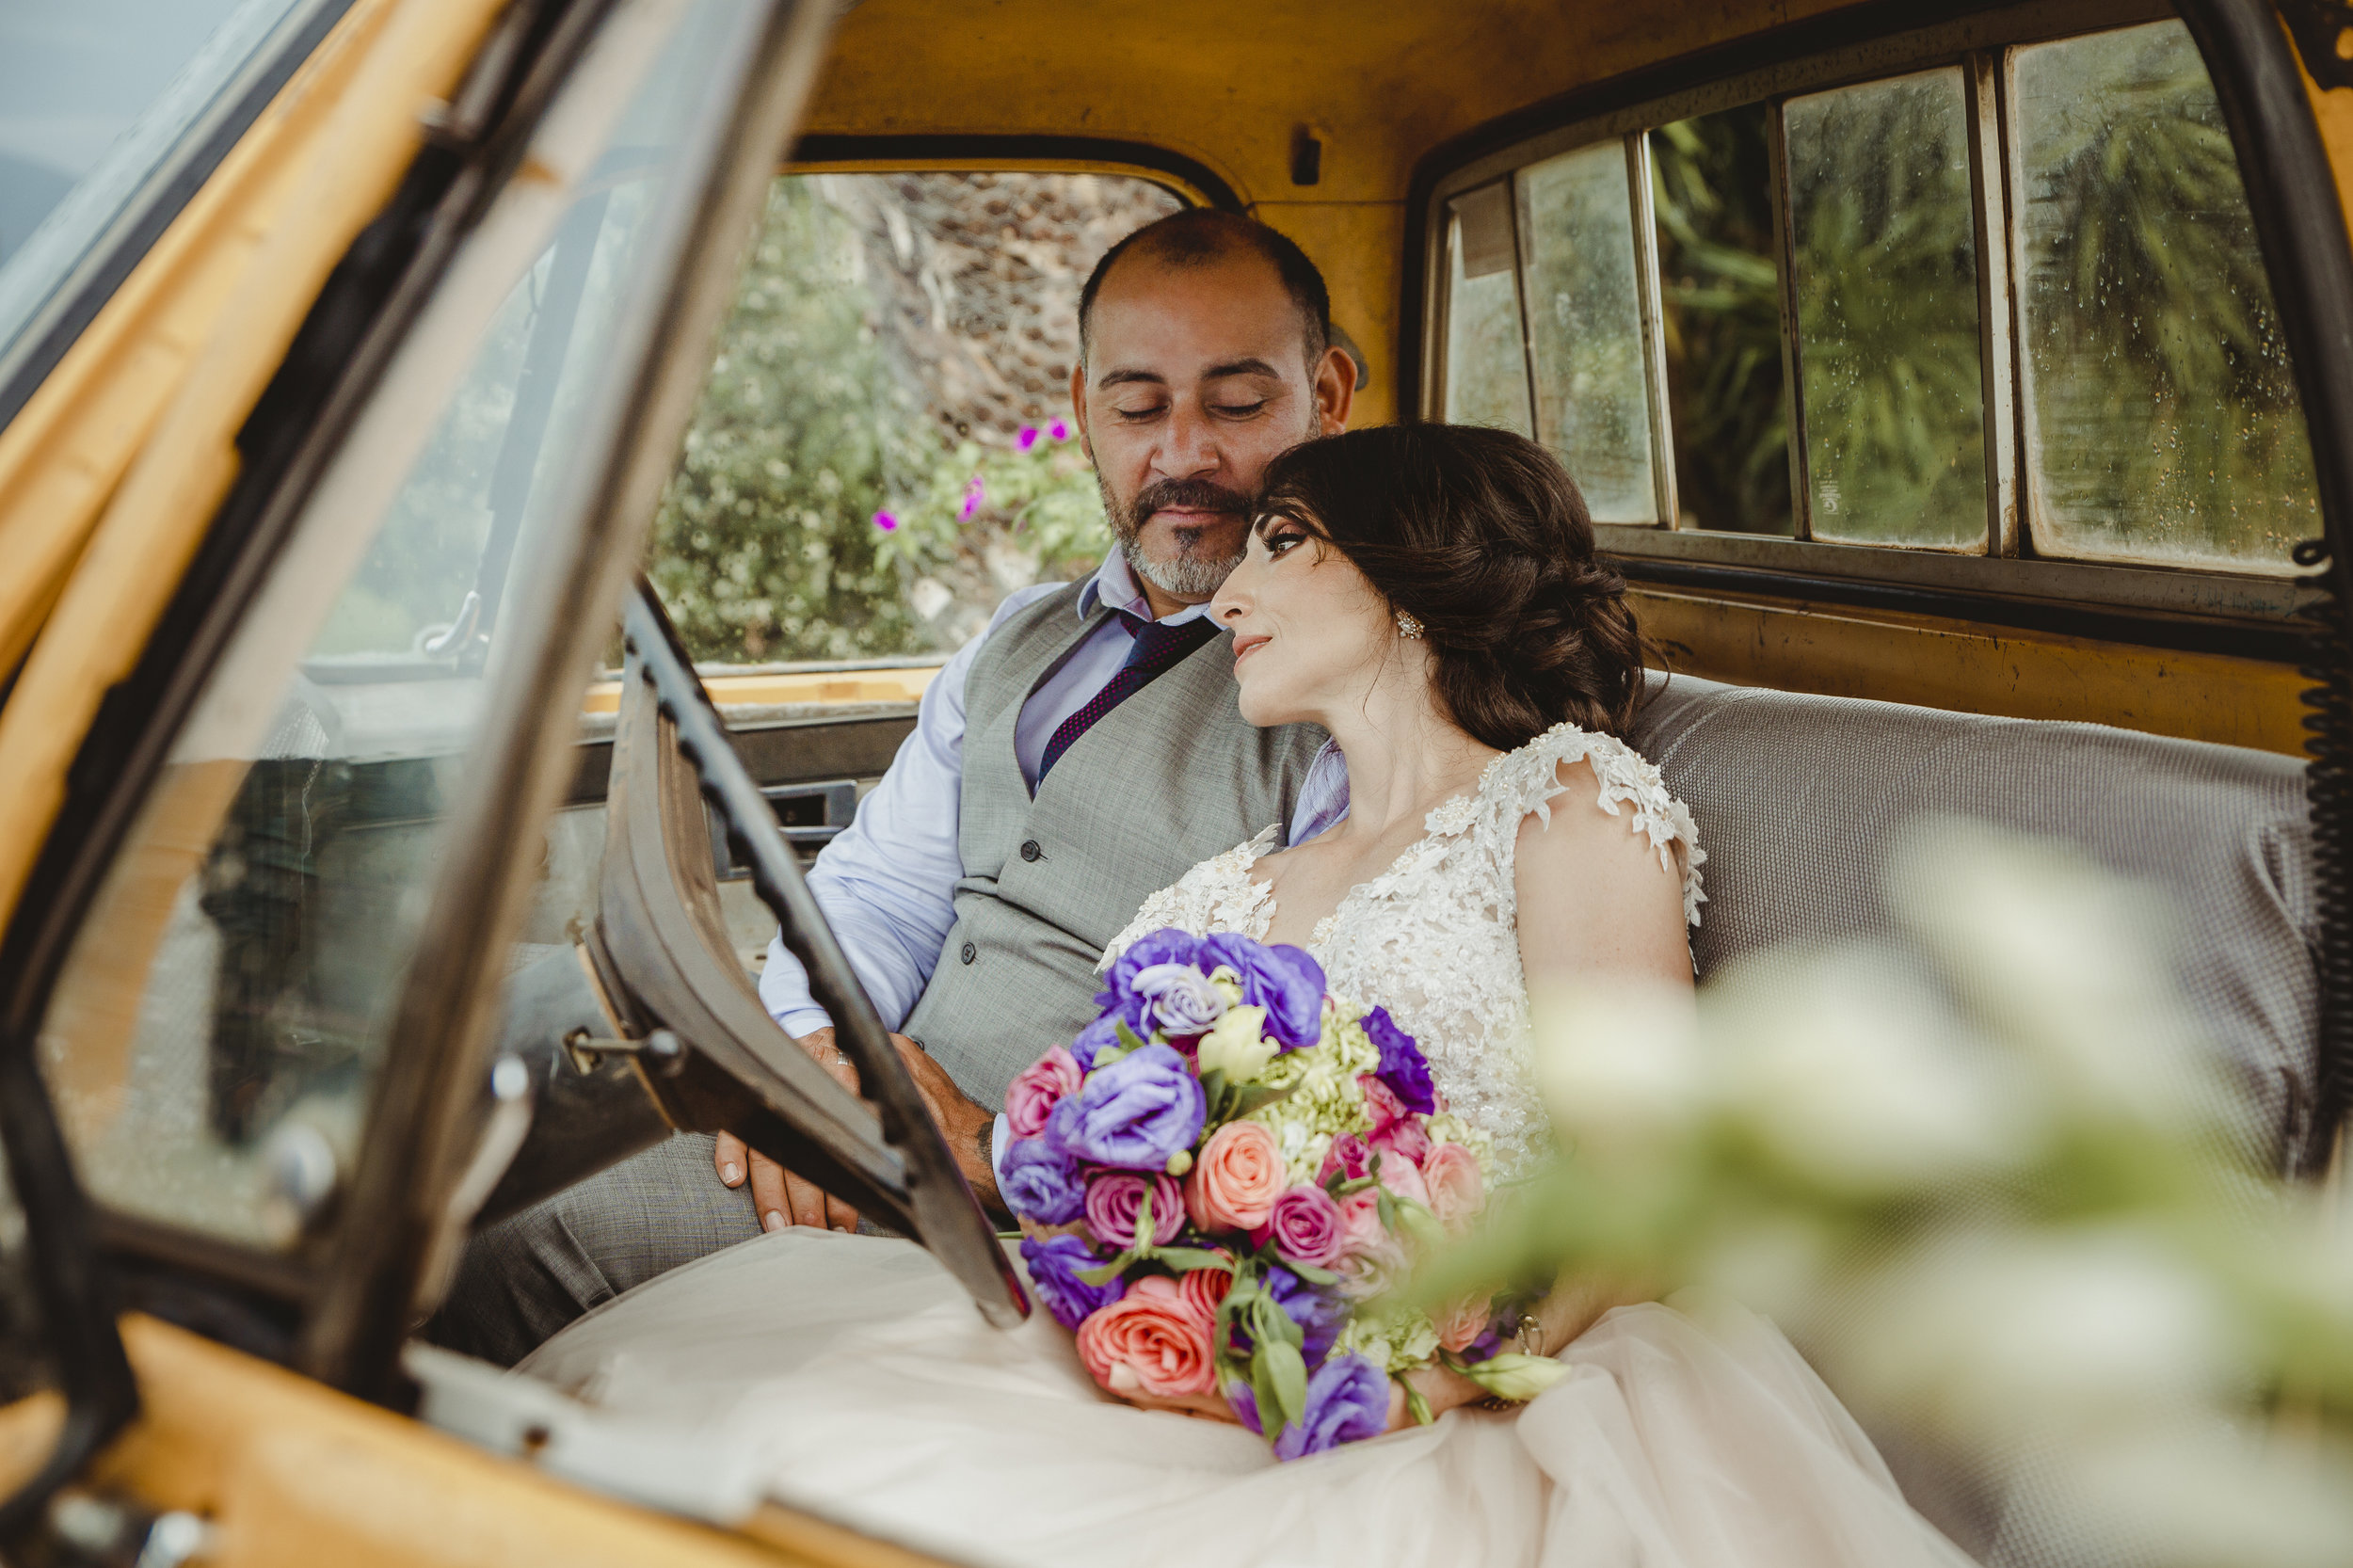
{"points": [[1234, 1183], [1457, 1190], [1202, 1290], [1360, 1223], [1149, 1342], [1460, 1322]]}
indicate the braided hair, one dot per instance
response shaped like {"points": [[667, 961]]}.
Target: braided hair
{"points": [[1484, 537]]}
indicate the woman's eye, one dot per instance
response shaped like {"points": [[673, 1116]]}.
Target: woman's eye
{"points": [[1277, 543]]}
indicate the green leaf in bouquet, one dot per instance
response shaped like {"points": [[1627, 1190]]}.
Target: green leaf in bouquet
{"points": [[1145, 1231], [1257, 1096], [1184, 1260], [1309, 1273], [1126, 1036], [1281, 1375], [1109, 1271], [1269, 1322], [1412, 1219], [1414, 1403], [1387, 1207]]}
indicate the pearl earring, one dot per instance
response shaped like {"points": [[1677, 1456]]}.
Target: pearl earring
{"points": [[1408, 627]]}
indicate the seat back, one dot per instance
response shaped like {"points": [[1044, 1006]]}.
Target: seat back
{"points": [[1801, 799]]}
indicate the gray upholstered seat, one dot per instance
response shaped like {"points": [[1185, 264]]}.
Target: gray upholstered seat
{"points": [[1799, 800]]}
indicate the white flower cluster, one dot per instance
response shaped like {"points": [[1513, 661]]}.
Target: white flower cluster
{"points": [[1324, 1101], [1395, 1340]]}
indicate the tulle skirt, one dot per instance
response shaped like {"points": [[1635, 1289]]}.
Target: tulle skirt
{"points": [[876, 1396]]}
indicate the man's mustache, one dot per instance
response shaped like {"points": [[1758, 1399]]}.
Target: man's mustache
{"points": [[1193, 495]]}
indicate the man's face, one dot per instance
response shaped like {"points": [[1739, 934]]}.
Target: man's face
{"points": [[1195, 377]]}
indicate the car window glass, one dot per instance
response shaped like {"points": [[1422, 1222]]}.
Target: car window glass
{"points": [[1886, 290], [884, 448], [1486, 362], [214, 1037], [93, 96], [1585, 331], [2162, 417], [1720, 304]]}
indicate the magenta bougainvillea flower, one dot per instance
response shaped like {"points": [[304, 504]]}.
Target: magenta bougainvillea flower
{"points": [[885, 522]]}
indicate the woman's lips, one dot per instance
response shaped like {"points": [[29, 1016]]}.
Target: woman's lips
{"points": [[1245, 644]]}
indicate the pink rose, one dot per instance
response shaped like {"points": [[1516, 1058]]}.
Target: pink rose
{"points": [[1348, 1155], [1307, 1228], [1380, 1102], [1460, 1322], [1236, 1179], [1031, 1097], [1404, 1139], [1457, 1189], [1403, 1179], [1369, 1257], [1149, 1342], [1115, 1202]]}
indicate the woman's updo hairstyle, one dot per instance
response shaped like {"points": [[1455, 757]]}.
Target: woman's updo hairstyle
{"points": [[1481, 536]]}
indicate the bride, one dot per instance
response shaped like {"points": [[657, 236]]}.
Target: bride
{"points": [[1429, 594]]}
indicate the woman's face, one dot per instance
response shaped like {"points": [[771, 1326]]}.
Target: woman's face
{"points": [[1309, 631]]}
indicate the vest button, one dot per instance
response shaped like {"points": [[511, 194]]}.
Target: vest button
{"points": [[1030, 851], [970, 952]]}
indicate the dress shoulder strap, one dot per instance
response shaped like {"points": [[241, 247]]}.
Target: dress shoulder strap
{"points": [[1522, 783]]}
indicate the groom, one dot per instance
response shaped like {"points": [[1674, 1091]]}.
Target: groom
{"points": [[1081, 753]]}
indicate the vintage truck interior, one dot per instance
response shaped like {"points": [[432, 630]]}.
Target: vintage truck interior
{"points": [[1966, 391]]}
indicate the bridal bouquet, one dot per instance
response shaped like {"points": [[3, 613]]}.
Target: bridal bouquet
{"points": [[1221, 1177]]}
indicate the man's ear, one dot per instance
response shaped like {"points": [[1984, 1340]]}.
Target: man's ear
{"points": [[1335, 389], [1079, 410]]}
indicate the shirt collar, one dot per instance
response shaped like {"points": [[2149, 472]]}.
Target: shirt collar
{"points": [[1115, 584]]}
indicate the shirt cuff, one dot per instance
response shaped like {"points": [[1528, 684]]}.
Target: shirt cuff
{"points": [[998, 1141], [801, 1022]]}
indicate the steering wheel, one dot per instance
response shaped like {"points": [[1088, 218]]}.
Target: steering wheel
{"points": [[653, 1025]]}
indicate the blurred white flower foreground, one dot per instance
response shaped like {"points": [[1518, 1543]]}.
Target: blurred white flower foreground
{"points": [[1997, 1197]]}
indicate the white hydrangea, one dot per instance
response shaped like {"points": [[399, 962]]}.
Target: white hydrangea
{"points": [[1393, 1342]]}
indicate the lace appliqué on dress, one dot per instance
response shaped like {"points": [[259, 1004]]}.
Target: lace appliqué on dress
{"points": [[1435, 938]]}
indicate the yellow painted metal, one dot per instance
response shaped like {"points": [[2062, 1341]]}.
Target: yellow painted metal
{"points": [[1894, 657], [293, 1474], [68, 447], [827, 688], [343, 152]]}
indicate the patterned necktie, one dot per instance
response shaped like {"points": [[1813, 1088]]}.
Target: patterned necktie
{"points": [[1157, 646]]}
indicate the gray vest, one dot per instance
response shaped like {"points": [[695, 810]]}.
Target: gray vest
{"points": [[1167, 778]]}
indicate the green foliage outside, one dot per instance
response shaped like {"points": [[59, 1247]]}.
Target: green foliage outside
{"points": [[2166, 408], [1721, 307]]}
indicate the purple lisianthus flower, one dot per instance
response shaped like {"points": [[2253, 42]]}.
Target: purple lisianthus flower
{"points": [[1286, 981], [1348, 1401], [1119, 999], [1245, 1405], [1133, 1114], [1028, 438], [1042, 1182], [1403, 1067], [1183, 1003], [1319, 1314], [1092, 1039], [1055, 1263]]}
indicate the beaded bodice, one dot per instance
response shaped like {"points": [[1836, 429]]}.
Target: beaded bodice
{"points": [[1435, 938]]}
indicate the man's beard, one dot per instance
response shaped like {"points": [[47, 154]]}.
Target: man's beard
{"points": [[1193, 573]]}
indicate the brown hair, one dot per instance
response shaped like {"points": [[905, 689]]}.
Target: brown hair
{"points": [[1484, 537]]}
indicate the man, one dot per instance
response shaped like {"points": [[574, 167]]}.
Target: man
{"points": [[1078, 754]]}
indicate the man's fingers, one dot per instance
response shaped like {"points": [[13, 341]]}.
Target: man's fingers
{"points": [[728, 1159], [768, 1197], [807, 1201]]}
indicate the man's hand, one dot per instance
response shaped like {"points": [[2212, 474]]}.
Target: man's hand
{"points": [[967, 1126], [779, 1197]]}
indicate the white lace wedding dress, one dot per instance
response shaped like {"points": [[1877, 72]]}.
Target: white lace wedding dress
{"points": [[876, 1396]]}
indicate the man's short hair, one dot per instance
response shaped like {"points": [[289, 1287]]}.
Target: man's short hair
{"points": [[1199, 235]]}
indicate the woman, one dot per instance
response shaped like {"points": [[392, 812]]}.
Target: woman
{"points": [[1429, 594]]}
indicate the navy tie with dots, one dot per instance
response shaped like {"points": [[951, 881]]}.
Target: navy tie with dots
{"points": [[1158, 646]]}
